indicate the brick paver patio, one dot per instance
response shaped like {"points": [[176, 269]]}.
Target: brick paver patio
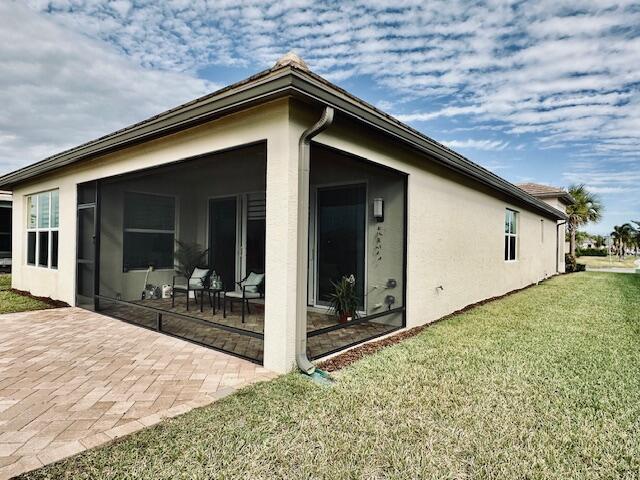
{"points": [[71, 379]]}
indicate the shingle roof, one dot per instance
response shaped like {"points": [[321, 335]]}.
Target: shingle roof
{"points": [[539, 189], [545, 191]]}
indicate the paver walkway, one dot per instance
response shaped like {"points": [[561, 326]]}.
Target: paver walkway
{"points": [[611, 270], [72, 379]]}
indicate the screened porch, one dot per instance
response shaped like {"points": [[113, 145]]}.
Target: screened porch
{"points": [[135, 231]]}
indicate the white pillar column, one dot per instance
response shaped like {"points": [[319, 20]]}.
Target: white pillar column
{"points": [[281, 247]]}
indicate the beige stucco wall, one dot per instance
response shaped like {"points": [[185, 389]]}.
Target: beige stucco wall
{"points": [[562, 245]]}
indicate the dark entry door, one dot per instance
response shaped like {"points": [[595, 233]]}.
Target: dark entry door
{"points": [[255, 233], [222, 239], [86, 247], [341, 223]]}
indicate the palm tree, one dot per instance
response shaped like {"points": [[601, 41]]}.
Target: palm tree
{"points": [[598, 241], [587, 208], [636, 235], [623, 236]]}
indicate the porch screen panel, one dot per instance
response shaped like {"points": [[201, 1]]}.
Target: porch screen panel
{"points": [[341, 238], [86, 245], [358, 228], [138, 217]]}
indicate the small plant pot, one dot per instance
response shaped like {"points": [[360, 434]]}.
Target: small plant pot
{"points": [[344, 317]]}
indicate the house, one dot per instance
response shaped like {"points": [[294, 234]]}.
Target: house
{"points": [[558, 198], [5, 230], [287, 174], [555, 196]]}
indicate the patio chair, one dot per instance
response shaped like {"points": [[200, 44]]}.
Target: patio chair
{"points": [[250, 288], [197, 282]]}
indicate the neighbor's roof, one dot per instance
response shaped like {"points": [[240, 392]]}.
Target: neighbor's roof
{"points": [[290, 77], [546, 191]]}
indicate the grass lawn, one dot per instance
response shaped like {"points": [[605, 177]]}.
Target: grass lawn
{"points": [[541, 384], [12, 302], [603, 262]]}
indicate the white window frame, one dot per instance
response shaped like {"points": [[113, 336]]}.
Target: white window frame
{"points": [[38, 229], [508, 235]]}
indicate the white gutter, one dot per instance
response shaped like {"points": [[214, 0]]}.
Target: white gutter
{"points": [[325, 121]]}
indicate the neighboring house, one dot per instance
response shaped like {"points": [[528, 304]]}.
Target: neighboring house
{"points": [[591, 242], [287, 174], [558, 198], [5, 230]]}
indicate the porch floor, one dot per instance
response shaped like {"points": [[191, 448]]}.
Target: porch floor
{"points": [[239, 344]]}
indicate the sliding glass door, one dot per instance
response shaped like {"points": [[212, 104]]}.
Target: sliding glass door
{"points": [[341, 238], [222, 239]]}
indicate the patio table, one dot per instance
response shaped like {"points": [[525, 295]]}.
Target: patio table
{"points": [[216, 297]]}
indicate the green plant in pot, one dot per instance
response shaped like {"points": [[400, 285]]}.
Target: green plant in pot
{"points": [[188, 256], [344, 301]]}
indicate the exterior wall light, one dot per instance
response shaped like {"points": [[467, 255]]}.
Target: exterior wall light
{"points": [[378, 209]]}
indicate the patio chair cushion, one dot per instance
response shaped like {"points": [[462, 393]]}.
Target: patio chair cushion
{"points": [[239, 294], [198, 277], [253, 281]]}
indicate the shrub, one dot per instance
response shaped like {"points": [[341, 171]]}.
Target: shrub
{"points": [[591, 252], [570, 264]]}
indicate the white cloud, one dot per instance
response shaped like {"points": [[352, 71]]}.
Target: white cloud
{"points": [[471, 143], [59, 89], [563, 72]]}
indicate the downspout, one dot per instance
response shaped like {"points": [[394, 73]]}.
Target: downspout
{"points": [[325, 121], [558, 225]]}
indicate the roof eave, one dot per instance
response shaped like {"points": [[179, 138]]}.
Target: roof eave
{"points": [[174, 120], [306, 83], [260, 88]]}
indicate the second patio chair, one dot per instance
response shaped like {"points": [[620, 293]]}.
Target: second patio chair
{"points": [[251, 287]]}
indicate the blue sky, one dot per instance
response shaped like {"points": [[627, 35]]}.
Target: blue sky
{"points": [[545, 91]]}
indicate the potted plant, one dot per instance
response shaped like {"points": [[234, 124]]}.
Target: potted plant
{"points": [[344, 301], [188, 256]]}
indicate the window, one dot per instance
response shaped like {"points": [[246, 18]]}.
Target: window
{"points": [[43, 218], [149, 231], [510, 235], [5, 230]]}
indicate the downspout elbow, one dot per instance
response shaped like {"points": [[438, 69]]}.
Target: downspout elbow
{"points": [[322, 124]]}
